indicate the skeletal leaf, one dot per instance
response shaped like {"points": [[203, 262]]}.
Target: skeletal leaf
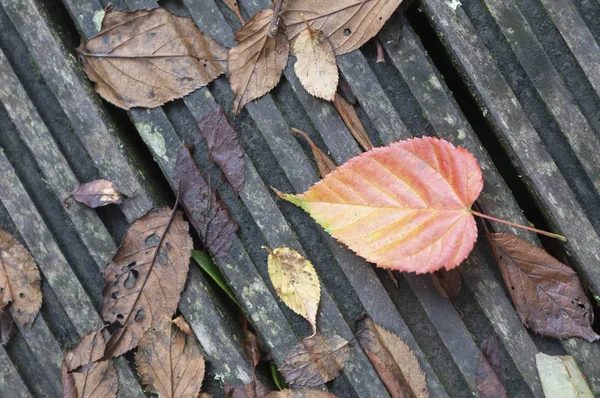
{"points": [[404, 207], [169, 362], [447, 282], [315, 66], [394, 361], [324, 164], [296, 282], [145, 278], [257, 61], [547, 294], [348, 24], [315, 361], [97, 194], [300, 393], [486, 377], [223, 147], [352, 120], [146, 58], [20, 282], [561, 377]]}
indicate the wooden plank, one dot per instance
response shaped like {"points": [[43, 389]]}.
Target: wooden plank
{"points": [[11, 384]]}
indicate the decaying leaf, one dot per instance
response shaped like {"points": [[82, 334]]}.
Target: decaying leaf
{"points": [[324, 164], [169, 362], [352, 120], [257, 61], [6, 326], [300, 393], [315, 361], [207, 213], [97, 194], [223, 147], [348, 24], [447, 282], [561, 377], [547, 294], [315, 66], [394, 361], [254, 389], [405, 206], [145, 278], [487, 381], [149, 57], [183, 325], [94, 380], [20, 282], [296, 282]]}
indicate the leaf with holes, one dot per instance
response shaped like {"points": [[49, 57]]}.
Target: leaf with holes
{"points": [[146, 58], [169, 362], [547, 294], [145, 278], [404, 207], [348, 24], [97, 194]]}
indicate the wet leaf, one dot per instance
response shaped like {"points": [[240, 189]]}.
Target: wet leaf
{"points": [[301, 393], [145, 278], [20, 282], [324, 164], [448, 283], [395, 363], [348, 24], [404, 207], [350, 117], [315, 361], [561, 377], [94, 380], [183, 326], [224, 148], [257, 61], [296, 282], [487, 381], [6, 326], [146, 58], [207, 213], [547, 294], [97, 194], [254, 389], [315, 66], [207, 264], [170, 362]]}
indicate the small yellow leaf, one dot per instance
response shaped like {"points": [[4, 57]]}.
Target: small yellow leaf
{"points": [[296, 282]]}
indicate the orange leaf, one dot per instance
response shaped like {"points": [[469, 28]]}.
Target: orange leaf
{"points": [[404, 207]]}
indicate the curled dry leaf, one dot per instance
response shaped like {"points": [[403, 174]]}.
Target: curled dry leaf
{"points": [[315, 361], [145, 278], [348, 24], [97, 194], [405, 207], [447, 282], [183, 325], [324, 164], [223, 147], [300, 393], [92, 380], [395, 363], [547, 294], [257, 61], [170, 362], [149, 57], [20, 282], [352, 120], [486, 377], [561, 377], [315, 66], [207, 213], [296, 283]]}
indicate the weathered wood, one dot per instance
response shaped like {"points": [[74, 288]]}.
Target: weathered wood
{"points": [[11, 384]]}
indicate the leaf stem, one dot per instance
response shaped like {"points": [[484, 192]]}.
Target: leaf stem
{"points": [[539, 231], [275, 21]]}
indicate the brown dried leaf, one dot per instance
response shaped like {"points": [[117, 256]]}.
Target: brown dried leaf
{"points": [[145, 278], [315, 66], [487, 381], [447, 282], [251, 347], [224, 148], [183, 325], [350, 117], [20, 282], [89, 350], [207, 213], [301, 393], [394, 361], [324, 163], [97, 194], [149, 57], [233, 5], [315, 361], [6, 326], [257, 61], [296, 282], [254, 389], [491, 349], [348, 24], [170, 363], [546, 293]]}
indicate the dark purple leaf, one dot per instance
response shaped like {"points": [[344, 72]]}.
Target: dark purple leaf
{"points": [[97, 194]]}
